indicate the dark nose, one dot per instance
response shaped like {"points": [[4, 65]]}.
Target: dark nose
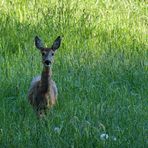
{"points": [[47, 62]]}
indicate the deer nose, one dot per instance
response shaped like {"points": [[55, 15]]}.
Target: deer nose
{"points": [[47, 62]]}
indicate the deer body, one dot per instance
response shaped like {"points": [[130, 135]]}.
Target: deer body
{"points": [[43, 91]]}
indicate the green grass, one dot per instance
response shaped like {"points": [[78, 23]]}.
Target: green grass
{"points": [[101, 71]]}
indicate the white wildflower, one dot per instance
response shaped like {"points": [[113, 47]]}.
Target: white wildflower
{"points": [[104, 136], [57, 129], [114, 138]]}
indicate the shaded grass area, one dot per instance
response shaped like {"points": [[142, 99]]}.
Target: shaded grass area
{"points": [[100, 71]]}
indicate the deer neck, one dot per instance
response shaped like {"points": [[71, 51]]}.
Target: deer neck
{"points": [[45, 79]]}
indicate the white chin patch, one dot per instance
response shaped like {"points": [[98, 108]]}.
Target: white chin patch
{"points": [[47, 65]]}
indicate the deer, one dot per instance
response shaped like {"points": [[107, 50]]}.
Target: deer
{"points": [[43, 91]]}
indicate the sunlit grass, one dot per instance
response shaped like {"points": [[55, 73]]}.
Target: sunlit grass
{"points": [[100, 70]]}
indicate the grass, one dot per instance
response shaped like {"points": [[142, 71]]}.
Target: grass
{"points": [[101, 71]]}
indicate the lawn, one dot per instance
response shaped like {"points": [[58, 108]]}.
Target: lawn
{"points": [[101, 71]]}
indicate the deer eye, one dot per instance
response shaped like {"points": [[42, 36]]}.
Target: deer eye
{"points": [[52, 54], [43, 53]]}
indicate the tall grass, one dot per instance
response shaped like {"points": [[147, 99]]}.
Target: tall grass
{"points": [[100, 70]]}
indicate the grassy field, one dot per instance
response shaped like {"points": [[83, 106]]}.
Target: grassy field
{"points": [[101, 71]]}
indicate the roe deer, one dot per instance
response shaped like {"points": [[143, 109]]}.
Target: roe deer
{"points": [[43, 91]]}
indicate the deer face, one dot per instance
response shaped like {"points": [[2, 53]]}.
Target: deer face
{"points": [[47, 53], [47, 56]]}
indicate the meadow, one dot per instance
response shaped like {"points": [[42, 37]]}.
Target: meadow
{"points": [[101, 70]]}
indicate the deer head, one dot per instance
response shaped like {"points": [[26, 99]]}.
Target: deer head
{"points": [[47, 53]]}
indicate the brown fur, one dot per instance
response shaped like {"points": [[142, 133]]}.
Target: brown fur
{"points": [[43, 92]]}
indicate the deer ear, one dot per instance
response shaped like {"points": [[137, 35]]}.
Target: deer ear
{"points": [[38, 43], [56, 43]]}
